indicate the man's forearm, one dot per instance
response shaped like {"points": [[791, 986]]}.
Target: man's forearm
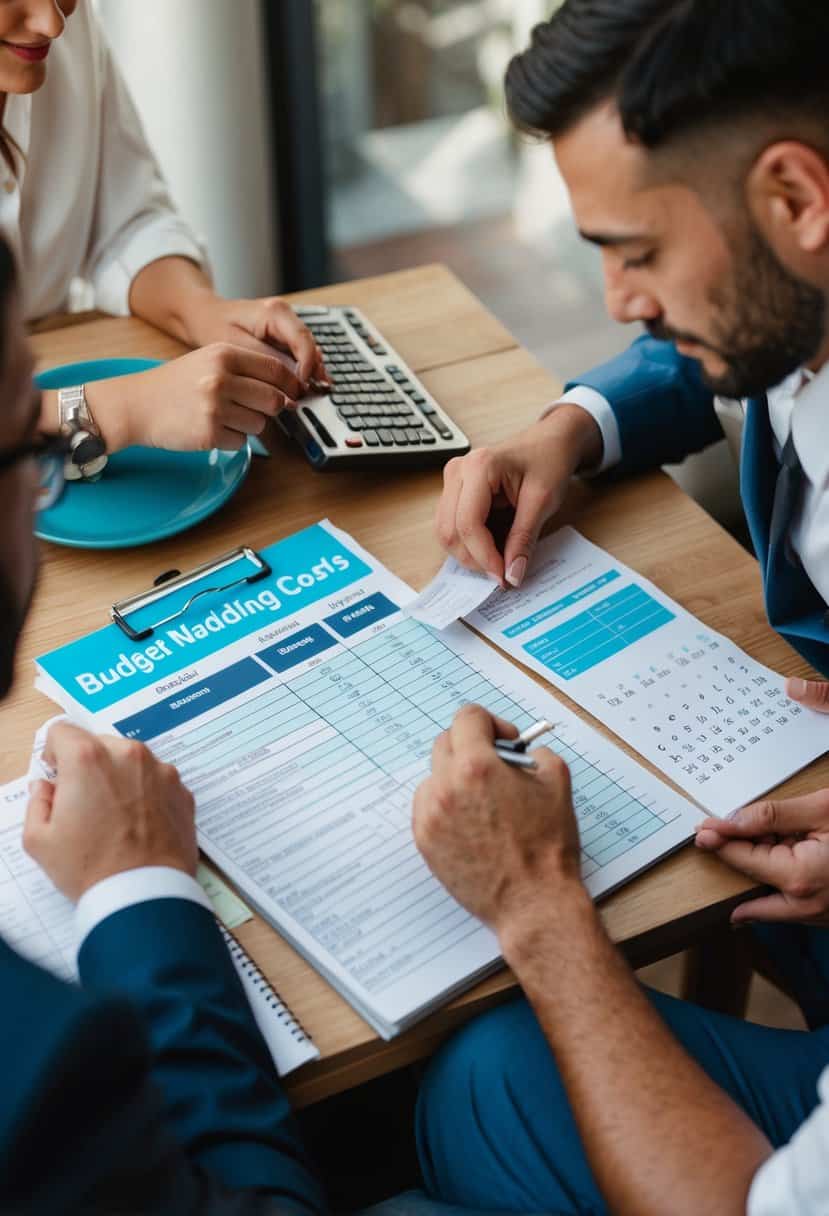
{"points": [[659, 1134], [169, 293]]}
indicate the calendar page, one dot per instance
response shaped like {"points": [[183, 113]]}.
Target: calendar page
{"points": [[302, 711], [702, 710]]}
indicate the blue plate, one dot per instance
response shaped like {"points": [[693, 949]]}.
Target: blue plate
{"points": [[145, 494]]}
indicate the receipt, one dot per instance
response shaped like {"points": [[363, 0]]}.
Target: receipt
{"points": [[452, 593], [39, 770]]}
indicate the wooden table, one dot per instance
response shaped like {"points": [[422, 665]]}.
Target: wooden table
{"points": [[492, 387]]}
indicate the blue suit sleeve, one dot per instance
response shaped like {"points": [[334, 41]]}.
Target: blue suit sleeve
{"points": [[77, 1094], [220, 1089], [662, 407]]}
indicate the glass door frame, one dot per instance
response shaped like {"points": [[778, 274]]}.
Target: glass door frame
{"points": [[291, 46]]}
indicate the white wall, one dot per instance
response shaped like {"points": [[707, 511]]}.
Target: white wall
{"points": [[196, 70]]}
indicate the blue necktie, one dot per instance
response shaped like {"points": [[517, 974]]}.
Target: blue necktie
{"points": [[788, 494]]}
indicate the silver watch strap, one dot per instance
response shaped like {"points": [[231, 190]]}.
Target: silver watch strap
{"points": [[87, 452]]}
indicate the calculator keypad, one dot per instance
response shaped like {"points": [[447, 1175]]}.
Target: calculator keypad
{"points": [[383, 412]]}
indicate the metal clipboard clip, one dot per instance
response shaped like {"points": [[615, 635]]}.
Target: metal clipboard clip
{"points": [[174, 580]]}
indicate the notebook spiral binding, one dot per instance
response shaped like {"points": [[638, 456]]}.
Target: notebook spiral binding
{"points": [[272, 998]]}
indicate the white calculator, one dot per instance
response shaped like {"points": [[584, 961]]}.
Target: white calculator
{"points": [[378, 413]]}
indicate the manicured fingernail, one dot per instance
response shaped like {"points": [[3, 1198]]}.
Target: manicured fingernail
{"points": [[796, 688], [516, 572]]}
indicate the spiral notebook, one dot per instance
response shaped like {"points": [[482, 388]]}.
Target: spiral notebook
{"points": [[38, 922], [287, 1042]]}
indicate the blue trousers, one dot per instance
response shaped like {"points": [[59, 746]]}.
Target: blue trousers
{"points": [[494, 1125]]}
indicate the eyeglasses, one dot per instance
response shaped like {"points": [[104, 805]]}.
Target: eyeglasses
{"points": [[50, 452]]}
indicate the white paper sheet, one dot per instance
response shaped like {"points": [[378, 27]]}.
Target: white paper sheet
{"points": [[304, 727], [702, 710]]}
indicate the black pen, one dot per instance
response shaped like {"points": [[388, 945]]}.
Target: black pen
{"points": [[513, 751]]}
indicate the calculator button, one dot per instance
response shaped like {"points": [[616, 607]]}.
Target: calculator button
{"points": [[347, 411], [412, 435], [427, 437], [386, 438], [371, 438], [441, 428], [320, 429], [353, 441], [400, 437], [426, 408]]}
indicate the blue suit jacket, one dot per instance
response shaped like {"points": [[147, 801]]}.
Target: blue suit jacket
{"points": [[149, 1089], [665, 412]]}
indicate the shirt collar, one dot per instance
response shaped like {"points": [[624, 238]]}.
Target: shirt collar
{"points": [[810, 420]]}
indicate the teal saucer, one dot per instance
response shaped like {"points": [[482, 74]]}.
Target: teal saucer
{"points": [[145, 494]]}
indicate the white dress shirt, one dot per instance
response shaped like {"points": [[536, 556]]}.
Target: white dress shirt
{"points": [[795, 1179], [88, 200], [798, 405]]}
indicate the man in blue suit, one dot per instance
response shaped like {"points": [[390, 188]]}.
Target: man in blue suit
{"points": [[148, 1089], [730, 283], [693, 136]]}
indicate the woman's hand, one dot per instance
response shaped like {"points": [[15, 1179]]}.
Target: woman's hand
{"points": [[212, 398], [262, 325]]}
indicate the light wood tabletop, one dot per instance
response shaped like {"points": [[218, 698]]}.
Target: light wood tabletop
{"points": [[492, 387]]}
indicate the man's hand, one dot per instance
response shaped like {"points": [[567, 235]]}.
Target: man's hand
{"points": [[212, 398], [530, 473], [113, 807], [495, 836], [262, 325], [814, 694], [784, 845]]}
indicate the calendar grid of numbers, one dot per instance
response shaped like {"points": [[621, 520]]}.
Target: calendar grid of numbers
{"points": [[707, 714]]}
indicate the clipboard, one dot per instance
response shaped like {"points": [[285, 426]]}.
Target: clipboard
{"points": [[174, 580]]}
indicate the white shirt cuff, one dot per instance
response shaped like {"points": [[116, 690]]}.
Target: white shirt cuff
{"points": [[121, 891], [598, 407]]}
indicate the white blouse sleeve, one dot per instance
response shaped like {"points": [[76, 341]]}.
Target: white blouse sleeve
{"points": [[796, 1177], [135, 222]]}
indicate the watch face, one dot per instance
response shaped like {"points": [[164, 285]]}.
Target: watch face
{"points": [[87, 448]]}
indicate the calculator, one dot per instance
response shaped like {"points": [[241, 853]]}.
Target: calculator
{"points": [[378, 413]]}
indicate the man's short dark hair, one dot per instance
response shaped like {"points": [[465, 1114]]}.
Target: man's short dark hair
{"points": [[673, 67]]}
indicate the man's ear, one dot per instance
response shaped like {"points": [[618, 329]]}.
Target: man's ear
{"points": [[787, 191]]}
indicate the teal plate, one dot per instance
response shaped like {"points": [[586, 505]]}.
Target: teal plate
{"points": [[145, 494]]}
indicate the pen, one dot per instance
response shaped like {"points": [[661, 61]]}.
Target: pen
{"points": [[513, 751]]}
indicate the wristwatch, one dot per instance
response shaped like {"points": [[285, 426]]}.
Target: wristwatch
{"points": [[87, 456]]}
